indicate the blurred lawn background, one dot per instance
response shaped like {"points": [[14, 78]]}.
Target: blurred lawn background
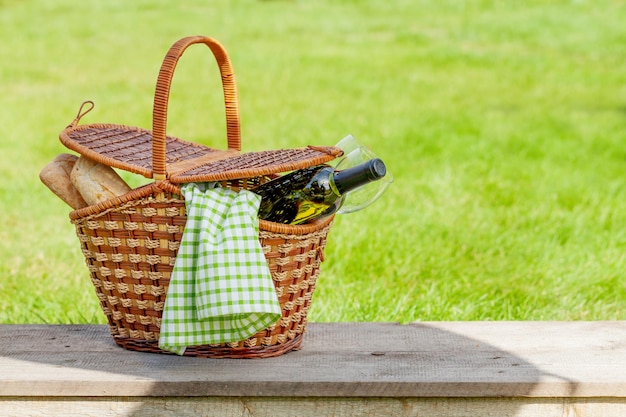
{"points": [[503, 122]]}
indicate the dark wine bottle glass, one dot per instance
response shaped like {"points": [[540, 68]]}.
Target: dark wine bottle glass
{"points": [[310, 193]]}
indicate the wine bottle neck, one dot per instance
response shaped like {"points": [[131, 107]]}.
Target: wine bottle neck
{"points": [[351, 178]]}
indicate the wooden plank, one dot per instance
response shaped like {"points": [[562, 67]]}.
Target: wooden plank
{"points": [[351, 360], [310, 407]]}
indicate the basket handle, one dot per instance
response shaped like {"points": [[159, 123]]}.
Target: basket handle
{"points": [[162, 92]]}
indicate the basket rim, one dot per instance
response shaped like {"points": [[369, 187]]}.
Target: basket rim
{"points": [[135, 197]]}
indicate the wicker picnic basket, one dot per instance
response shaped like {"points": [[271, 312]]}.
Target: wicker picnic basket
{"points": [[130, 242]]}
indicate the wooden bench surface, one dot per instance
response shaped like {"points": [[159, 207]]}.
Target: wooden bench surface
{"points": [[383, 360]]}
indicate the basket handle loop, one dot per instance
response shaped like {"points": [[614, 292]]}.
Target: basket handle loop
{"points": [[162, 92], [85, 108]]}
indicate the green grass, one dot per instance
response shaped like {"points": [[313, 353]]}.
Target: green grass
{"points": [[503, 122]]}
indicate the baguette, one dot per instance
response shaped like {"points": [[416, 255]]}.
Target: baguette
{"points": [[56, 176], [96, 182]]}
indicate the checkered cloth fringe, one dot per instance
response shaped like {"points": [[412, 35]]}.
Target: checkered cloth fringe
{"points": [[221, 289]]}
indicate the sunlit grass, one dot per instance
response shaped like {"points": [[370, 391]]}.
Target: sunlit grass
{"points": [[504, 124]]}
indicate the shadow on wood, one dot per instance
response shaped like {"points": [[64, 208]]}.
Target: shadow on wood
{"points": [[343, 369]]}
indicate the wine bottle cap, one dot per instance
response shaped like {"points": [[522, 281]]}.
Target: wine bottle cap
{"points": [[377, 168]]}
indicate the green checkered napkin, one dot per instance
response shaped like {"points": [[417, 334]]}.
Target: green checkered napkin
{"points": [[221, 289]]}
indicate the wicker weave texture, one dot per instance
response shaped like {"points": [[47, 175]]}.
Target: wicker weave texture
{"points": [[130, 250], [128, 148]]}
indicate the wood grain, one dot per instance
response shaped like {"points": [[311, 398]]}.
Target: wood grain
{"points": [[435, 369]]}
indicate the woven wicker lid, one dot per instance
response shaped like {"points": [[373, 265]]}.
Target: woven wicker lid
{"points": [[130, 148]]}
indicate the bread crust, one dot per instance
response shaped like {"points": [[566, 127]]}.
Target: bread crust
{"points": [[96, 182], [56, 176]]}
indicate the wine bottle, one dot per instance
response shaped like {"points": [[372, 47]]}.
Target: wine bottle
{"points": [[314, 192]]}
